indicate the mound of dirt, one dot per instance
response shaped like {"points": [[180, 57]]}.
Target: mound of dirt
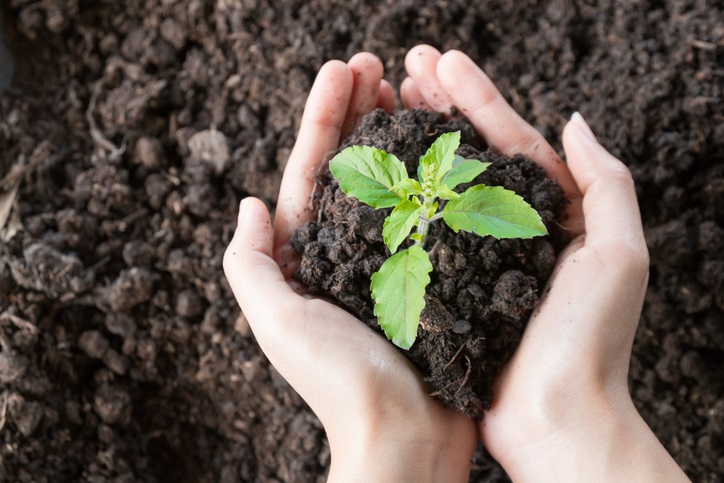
{"points": [[482, 290]]}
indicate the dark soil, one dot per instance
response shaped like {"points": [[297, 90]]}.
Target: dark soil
{"points": [[482, 291], [137, 128]]}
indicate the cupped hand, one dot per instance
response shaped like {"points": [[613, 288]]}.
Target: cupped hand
{"points": [[372, 403], [561, 409]]}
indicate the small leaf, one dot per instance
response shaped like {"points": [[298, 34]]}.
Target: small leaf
{"points": [[368, 174], [493, 211], [433, 209], [438, 160], [398, 289], [445, 193], [407, 187], [398, 225], [463, 171]]}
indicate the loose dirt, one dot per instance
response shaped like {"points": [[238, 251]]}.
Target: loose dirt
{"points": [[135, 128]]}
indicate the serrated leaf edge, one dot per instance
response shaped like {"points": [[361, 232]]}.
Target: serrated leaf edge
{"points": [[519, 204]]}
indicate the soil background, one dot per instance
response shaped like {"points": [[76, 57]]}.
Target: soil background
{"points": [[138, 126]]}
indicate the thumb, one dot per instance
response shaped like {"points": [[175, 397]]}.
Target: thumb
{"points": [[277, 315], [611, 212], [605, 271], [255, 278], [594, 297]]}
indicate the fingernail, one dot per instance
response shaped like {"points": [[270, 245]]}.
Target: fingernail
{"points": [[583, 126], [243, 206]]}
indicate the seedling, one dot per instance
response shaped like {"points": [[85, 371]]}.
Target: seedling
{"points": [[380, 180]]}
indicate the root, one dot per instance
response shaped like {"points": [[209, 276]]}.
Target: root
{"points": [[467, 376], [457, 354]]}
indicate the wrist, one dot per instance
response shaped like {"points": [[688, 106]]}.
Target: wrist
{"points": [[606, 441], [404, 451]]}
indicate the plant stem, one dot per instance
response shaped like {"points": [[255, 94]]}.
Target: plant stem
{"points": [[422, 228], [424, 225]]}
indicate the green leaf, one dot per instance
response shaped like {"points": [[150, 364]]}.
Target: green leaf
{"points": [[463, 171], [407, 187], [398, 225], [433, 209], [368, 174], [398, 289], [495, 211], [445, 193], [438, 160]]}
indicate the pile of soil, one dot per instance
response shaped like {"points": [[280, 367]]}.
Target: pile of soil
{"points": [[135, 128], [482, 290]]}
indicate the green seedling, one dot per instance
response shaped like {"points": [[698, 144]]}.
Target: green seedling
{"points": [[380, 180]]}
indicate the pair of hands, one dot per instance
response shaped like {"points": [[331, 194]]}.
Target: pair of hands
{"points": [[561, 407]]}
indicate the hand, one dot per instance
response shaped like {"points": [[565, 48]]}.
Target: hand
{"points": [[380, 422], [561, 409]]}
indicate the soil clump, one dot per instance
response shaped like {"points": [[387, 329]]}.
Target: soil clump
{"points": [[482, 290]]}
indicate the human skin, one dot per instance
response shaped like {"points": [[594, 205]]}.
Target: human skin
{"points": [[561, 409]]}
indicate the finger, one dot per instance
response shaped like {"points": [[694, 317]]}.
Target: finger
{"points": [[367, 73], [610, 207], [421, 62], [480, 101], [411, 95], [318, 137], [386, 96], [254, 275], [248, 262], [270, 304]]}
